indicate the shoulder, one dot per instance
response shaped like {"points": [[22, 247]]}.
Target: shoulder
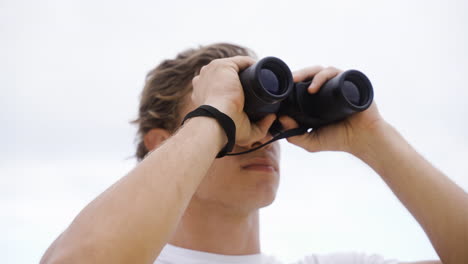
{"points": [[346, 258]]}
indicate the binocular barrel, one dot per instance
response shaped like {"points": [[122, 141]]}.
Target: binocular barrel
{"points": [[269, 88]]}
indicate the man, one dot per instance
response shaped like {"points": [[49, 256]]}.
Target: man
{"points": [[182, 205]]}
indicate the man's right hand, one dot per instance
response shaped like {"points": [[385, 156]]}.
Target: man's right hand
{"points": [[218, 85]]}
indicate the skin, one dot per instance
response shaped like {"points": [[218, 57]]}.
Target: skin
{"points": [[222, 216], [212, 204]]}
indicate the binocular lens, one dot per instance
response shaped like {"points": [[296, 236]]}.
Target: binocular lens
{"points": [[269, 80], [351, 92]]}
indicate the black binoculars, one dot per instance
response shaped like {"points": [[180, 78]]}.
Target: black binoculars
{"points": [[269, 88]]}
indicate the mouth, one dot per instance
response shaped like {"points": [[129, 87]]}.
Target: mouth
{"points": [[261, 164]]}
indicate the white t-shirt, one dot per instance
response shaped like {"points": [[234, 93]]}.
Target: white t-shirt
{"points": [[177, 255]]}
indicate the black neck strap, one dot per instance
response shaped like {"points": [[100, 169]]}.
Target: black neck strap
{"points": [[284, 134]]}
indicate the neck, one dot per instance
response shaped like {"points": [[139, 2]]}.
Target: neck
{"points": [[216, 229]]}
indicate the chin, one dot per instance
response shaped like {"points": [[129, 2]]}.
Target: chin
{"points": [[265, 203], [244, 191], [268, 198], [265, 193]]}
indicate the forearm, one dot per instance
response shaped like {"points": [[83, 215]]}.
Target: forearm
{"points": [[438, 204], [132, 220]]}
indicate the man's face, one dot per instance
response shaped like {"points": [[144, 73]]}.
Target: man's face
{"points": [[242, 183]]}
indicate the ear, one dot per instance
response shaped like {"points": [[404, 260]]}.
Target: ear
{"points": [[155, 137]]}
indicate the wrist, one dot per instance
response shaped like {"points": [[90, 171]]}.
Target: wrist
{"points": [[385, 150], [225, 122], [212, 125], [368, 141], [226, 107]]}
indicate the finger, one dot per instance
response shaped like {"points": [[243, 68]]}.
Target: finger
{"points": [[321, 78], [306, 73], [241, 62], [287, 122], [203, 68], [195, 80]]}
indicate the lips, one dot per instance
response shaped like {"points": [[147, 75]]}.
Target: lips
{"points": [[261, 164]]}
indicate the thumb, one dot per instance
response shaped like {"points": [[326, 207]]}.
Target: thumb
{"points": [[307, 141], [261, 127], [288, 123]]}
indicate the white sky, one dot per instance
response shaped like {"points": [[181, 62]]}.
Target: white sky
{"points": [[71, 73]]}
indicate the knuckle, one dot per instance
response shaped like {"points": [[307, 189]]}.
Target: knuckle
{"points": [[195, 79], [317, 68], [240, 58], [333, 70], [216, 62], [319, 76]]}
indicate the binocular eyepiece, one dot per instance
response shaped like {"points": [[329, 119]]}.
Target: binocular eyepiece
{"points": [[269, 88]]}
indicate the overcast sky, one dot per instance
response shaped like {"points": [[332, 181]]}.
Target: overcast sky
{"points": [[71, 73]]}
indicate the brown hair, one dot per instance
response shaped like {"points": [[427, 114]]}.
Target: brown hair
{"points": [[168, 83]]}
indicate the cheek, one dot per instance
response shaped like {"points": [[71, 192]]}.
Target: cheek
{"points": [[221, 176]]}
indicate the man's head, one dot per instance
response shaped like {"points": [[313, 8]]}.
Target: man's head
{"points": [[242, 183]]}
